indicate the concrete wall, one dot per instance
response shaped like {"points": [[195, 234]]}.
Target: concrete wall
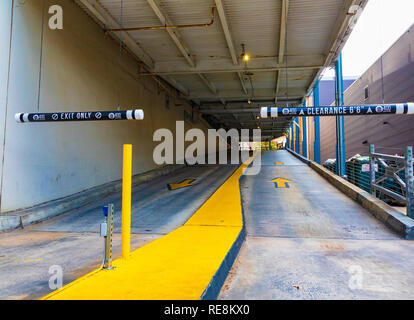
{"points": [[5, 27], [328, 124], [389, 133], [327, 89], [79, 72]]}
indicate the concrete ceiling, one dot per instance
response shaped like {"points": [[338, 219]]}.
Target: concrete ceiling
{"points": [[289, 43]]}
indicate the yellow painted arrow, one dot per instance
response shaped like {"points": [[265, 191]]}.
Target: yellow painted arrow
{"points": [[278, 162], [182, 184], [280, 182]]}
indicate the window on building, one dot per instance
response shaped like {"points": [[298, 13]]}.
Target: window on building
{"points": [[167, 101], [366, 93]]}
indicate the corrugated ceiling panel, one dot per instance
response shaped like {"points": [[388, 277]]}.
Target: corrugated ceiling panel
{"points": [[256, 24], [310, 25]]}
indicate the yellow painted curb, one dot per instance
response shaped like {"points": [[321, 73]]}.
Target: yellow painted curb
{"points": [[179, 265]]}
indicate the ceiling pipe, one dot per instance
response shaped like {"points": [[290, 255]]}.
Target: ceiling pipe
{"points": [[201, 25], [179, 94]]}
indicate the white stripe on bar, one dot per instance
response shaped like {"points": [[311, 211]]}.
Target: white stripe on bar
{"points": [[399, 108], [17, 117], [139, 114], [263, 112], [410, 107], [273, 112], [129, 114]]}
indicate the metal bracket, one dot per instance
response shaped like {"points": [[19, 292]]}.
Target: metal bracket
{"points": [[109, 224]]}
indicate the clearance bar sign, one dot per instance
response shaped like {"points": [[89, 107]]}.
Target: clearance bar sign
{"points": [[358, 110], [137, 114]]}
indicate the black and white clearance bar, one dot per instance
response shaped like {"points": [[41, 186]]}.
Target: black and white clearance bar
{"points": [[358, 110], [137, 114]]}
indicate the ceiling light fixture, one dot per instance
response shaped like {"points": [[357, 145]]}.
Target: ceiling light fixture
{"points": [[245, 57]]}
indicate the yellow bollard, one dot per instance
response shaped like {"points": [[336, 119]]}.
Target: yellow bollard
{"points": [[126, 201]]}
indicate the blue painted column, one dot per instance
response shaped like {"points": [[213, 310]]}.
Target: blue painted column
{"points": [[305, 134], [297, 142], [290, 137], [287, 138], [340, 125], [317, 142]]}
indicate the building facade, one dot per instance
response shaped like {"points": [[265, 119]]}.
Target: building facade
{"points": [[389, 80]]}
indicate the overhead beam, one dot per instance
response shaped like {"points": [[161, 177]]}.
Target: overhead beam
{"points": [[99, 12], [208, 83], [277, 85], [230, 70], [282, 42], [177, 85], [226, 30], [213, 111], [174, 34], [235, 94], [229, 40], [179, 41], [254, 63], [281, 125], [342, 31], [244, 104], [283, 23], [109, 22], [242, 83]]}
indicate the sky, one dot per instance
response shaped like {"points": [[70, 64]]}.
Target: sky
{"points": [[381, 23]]}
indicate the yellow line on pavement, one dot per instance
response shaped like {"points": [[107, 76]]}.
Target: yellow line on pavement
{"points": [[179, 265]]}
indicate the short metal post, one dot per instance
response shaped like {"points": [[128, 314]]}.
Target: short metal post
{"points": [[109, 213], [409, 181], [372, 169]]}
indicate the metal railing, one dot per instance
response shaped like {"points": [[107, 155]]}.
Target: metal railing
{"points": [[397, 169], [388, 177]]}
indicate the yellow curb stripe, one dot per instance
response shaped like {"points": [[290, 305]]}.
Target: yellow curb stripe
{"points": [[179, 265]]}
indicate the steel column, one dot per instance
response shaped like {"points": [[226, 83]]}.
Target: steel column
{"points": [[409, 181], [297, 130], [372, 169], [305, 135], [340, 127], [317, 142], [288, 139]]}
